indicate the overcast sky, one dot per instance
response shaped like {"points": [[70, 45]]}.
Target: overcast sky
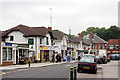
{"points": [[76, 14]]}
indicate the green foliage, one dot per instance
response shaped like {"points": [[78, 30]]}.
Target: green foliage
{"points": [[70, 35], [55, 30], [111, 33]]}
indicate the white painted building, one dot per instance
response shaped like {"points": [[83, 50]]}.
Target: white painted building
{"points": [[74, 46], [60, 42], [26, 42]]}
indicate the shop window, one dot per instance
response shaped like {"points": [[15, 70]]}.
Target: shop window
{"points": [[11, 38], [31, 41], [9, 53], [40, 40], [4, 56]]}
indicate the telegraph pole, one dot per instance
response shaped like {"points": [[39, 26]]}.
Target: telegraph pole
{"points": [[50, 17], [70, 41]]}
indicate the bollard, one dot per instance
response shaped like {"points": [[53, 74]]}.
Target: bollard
{"points": [[71, 73], [75, 75], [29, 63]]}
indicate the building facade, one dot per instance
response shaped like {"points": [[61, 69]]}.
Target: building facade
{"points": [[60, 42], [93, 44], [113, 46], [26, 43]]}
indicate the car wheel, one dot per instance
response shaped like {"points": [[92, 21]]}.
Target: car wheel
{"points": [[78, 70], [95, 71]]}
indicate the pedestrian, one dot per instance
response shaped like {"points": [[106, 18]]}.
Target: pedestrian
{"points": [[57, 58], [79, 57], [68, 57], [60, 57], [53, 57]]}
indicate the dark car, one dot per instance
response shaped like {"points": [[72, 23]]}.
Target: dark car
{"points": [[98, 59], [87, 64]]}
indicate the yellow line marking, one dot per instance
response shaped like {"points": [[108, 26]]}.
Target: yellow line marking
{"points": [[2, 73]]}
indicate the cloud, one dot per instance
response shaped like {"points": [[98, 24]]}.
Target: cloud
{"points": [[77, 14]]}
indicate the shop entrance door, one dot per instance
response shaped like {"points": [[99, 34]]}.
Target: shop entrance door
{"points": [[16, 56]]}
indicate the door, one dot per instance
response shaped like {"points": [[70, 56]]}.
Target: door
{"points": [[16, 56]]}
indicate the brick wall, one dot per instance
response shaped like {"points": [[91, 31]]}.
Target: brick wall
{"points": [[7, 63]]}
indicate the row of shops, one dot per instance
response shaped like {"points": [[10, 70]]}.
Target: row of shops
{"points": [[19, 53]]}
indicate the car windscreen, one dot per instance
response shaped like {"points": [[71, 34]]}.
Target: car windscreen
{"points": [[97, 57], [89, 56], [86, 59]]}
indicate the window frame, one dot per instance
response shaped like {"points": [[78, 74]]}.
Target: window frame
{"points": [[11, 38]]}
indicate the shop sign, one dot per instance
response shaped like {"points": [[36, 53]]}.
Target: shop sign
{"points": [[44, 48], [38, 55], [22, 45], [8, 44]]}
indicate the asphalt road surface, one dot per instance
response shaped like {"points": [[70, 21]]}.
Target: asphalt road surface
{"points": [[50, 72]]}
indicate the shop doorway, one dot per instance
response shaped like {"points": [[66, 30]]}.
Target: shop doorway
{"points": [[16, 56]]}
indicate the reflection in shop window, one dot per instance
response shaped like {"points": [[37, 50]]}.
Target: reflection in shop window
{"points": [[4, 57], [9, 53]]}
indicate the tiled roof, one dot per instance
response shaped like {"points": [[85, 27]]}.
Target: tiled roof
{"points": [[95, 39], [58, 34], [24, 29], [41, 30], [114, 41], [75, 39], [28, 31]]}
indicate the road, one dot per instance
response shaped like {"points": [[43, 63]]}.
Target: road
{"points": [[50, 72]]}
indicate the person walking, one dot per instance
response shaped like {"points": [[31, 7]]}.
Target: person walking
{"points": [[60, 57], [53, 58], [57, 58], [68, 57], [79, 57]]}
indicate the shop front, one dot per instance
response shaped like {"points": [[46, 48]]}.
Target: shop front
{"points": [[22, 53], [45, 54], [7, 54]]}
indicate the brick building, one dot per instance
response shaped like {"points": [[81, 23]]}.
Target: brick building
{"points": [[113, 46]]}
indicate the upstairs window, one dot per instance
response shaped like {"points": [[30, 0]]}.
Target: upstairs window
{"points": [[31, 41], [117, 46], [111, 46], [40, 40], [47, 41], [98, 46], [11, 38]]}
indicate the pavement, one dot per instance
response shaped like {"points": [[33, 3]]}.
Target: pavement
{"points": [[32, 65], [110, 70]]}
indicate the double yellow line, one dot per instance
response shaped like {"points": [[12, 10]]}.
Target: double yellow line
{"points": [[2, 73]]}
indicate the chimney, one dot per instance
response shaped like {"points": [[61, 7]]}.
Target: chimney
{"points": [[92, 35], [50, 28], [81, 35]]}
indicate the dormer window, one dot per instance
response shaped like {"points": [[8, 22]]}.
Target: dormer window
{"points": [[11, 38]]}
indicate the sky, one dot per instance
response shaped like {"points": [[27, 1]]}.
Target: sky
{"points": [[77, 15]]}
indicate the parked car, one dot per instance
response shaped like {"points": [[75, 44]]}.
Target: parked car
{"points": [[89, 55], [98, 59], [114, 56], [87, 64]]}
